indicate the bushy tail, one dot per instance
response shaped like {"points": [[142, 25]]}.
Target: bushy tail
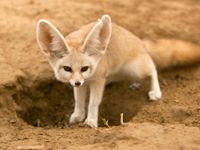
{"points": [[169, 53]]}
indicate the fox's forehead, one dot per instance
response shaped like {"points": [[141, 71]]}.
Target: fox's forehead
{"points": [[75, 59]]}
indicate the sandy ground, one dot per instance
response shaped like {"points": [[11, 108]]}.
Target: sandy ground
{"points": [[35, 108]]}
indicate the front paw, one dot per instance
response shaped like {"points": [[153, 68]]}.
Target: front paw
{"points": [[155, 95], [75, 118], [91, 123]]}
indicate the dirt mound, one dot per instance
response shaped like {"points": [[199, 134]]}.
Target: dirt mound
{"points": [[35, 108]]}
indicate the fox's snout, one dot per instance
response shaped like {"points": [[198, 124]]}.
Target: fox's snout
{"points": [[76, 83], [76, 80]]}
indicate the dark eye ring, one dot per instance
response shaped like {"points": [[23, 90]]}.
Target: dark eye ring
{"points": [[85, 68], [67, 68]]}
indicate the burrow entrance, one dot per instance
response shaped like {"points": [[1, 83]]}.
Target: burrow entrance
{"points": [[50, 103]]}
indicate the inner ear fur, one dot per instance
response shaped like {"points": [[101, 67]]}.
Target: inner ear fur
{"points": [[50, 39], [98, 38]]}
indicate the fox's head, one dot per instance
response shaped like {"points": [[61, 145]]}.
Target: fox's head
{"points": [[74, 61]]}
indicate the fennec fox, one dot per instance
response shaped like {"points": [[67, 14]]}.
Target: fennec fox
{"points": [[102, 52]]}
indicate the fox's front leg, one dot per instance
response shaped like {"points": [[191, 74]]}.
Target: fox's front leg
{"points": [[79, 111], [96, 93]]}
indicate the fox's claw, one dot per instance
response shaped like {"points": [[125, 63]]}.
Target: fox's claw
{"points": [[75, 118], [91, 123], [155, 95]]}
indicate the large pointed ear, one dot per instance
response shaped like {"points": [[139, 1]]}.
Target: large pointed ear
{"points": [[50, 39], [98, 38]]}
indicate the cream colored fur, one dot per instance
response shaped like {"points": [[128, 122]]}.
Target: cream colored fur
{"points": [[109, 52]]}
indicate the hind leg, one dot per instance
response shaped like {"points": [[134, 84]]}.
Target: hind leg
{"points": [[155, 92], [142, 67]]}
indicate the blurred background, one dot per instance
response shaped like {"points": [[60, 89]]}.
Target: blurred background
{"points": [[30, 97]]}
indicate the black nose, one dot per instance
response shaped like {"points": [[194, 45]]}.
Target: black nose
{"points": [[77, 83]]}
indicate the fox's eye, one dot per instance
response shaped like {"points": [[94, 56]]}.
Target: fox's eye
{"points": [[67, 68], [85, 68]]}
